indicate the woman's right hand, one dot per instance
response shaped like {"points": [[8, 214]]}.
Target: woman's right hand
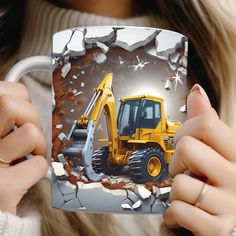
{"points": [[15, 180]]}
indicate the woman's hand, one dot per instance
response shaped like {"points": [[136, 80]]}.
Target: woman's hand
{"points": [[16, 110], [206, 149]]}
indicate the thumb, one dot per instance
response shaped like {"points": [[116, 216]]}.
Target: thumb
{"points": [[198, 103]]}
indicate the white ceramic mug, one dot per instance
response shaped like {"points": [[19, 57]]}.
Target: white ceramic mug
{"points": [[93, 67]]}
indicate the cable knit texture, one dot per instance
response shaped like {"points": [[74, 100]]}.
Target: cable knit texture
{"points": [[11, 225]]}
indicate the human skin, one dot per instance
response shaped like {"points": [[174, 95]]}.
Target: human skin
{"points": [[205, 149], [16, 110], [111, 8]]}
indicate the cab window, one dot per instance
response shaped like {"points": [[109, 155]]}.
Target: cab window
{"points": [[150, 114]]}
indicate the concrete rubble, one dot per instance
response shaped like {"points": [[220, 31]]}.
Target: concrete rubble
{"points": [[164, 193], [183, 109], [167, 42], [60, 40], [63, 138], [133, 38], [72, 190], [121, 61], [126, 206], [172, 82], [58, 169], [172, 47], [168, 85], [182, 70], [75, 47], [102, 35], [78, 93], [156, 191], [75, 42], [137, 204], [103, 47], [59, 126], [65, 70], [68, 43], [174, 58], [142, 192], [61, 158], [110, 194], [74, 91], [100, 58], [186, 48], [151, 50]]}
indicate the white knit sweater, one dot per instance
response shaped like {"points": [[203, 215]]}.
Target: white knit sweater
{"points": [[42, 20], [11, 225]]}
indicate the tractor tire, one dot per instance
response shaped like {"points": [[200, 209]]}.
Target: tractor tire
{"points": [[100, 162], [146, 165]]}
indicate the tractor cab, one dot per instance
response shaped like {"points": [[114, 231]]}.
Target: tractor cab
{"points": [[139, 112]]}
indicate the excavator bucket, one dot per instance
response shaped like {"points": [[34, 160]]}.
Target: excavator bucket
{"points": [[80, 151], [75, 150]]}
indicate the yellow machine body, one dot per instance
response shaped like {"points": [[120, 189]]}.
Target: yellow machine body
{"points": [[140, 124], [160, 136]]}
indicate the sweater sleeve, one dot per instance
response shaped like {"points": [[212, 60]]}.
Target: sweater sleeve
{"points": [[11, 225]]}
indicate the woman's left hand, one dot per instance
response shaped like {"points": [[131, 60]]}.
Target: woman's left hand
{"points": [[206, 150]]}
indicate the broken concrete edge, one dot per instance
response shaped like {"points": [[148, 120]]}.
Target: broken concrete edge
{"points": [[70, 48], [105, 49], [169, 49], [71, 202], [138, 189], [134, 44], [129, 197], [99, 34], [60, 43], [61, 39]]}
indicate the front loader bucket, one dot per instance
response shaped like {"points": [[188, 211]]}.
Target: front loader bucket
{"points": [[80, 151]]}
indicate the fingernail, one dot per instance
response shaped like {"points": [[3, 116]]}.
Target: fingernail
{"points": [[199, 89]]}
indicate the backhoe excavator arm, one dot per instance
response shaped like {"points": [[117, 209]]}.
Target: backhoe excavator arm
{"points": [[83, 133]]}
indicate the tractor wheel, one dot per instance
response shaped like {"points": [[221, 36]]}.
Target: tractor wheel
{"points": [[147, 165], [100, 162]]}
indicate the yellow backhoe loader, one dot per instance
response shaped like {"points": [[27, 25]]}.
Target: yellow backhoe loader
{"points": [[139, 137]]}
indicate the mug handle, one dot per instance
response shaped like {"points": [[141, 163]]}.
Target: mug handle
{"points": [[28, 65]]}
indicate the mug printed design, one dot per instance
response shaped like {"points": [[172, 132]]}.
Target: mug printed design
{"points": [[120, 96]]}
